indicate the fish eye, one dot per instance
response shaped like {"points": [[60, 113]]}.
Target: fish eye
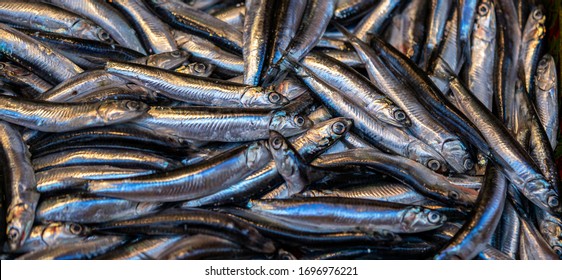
{"points": [[13, 234], [483, 9], [543, 63], [558, 251], [274, 97], [338, 128], [399, 115], [176, 53], [104, 36], [434, 217], [277, 143], [434, 164], [299, 121], [468, 164], [454, 195], [553, 201], [537, 14], [75, 228], [200, 68], [133, 105]]}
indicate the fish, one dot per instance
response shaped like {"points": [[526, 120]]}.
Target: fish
{"points": [[546, 98]]}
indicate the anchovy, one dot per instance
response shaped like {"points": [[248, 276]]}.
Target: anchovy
{"points": [[532, 43], [63, 178], [183, 17], [343, 214], [79, 250], [233, 15], [155, 34], [60, 117], [190, 182], [200, 247], [194, 221], [508, 153], [85, 209], [420, 178], [105, 16], [21, 190], [375, 21], [480, 68], [115, 157], [48, 18], [197, 69], [546, 97], [35, 56], [439, 13], [222, 124], [144, 249], [54, 234], [24, 78], [532, 245], [447, 55], [346, 57], [257, 25], [406, 30], [467, 13]]}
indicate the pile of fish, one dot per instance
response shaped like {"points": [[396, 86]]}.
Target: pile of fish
{"points": [[293, 129]]}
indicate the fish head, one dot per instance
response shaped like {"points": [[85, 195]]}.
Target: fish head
{"points": [[20, 220], [57, 231], [321, 136], [88, 30], [168, 60], [116, 111], [201, 69], [485, 27], [540, 192], [389, 113], [288, 162], [535, 28], [417, 219], [546, 73], [289, 123], [263, 98], [457, 156], [427, 156]]}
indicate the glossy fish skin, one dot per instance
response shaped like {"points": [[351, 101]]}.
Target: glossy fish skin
{"points": [[144, 249], [197, 90], [207, 52], [439, 12], [429, 95], [79, 250], [532, 43], [288, 162], [347, 57], [23, 78], [551, 229], [447, 55], [348, 9], [288, 16], [467, 12], [105, 16], [508, 153], [406, 31], [61, 117], [197, 69], [532, 245], [383, 137], [122, 92], [374, 22], [309, 235], [309, 144], [383, 191], [45, 17], [165, 60], [257, 24], [183, 17], [473, 237], [222, 124], [200, 247], [155, 34], [64, 178], [509, 232], [546, 97], [53, 234], [86, 209], [115, 157], [357, 89], [193, 221], [21, 193], [233, 15], [417, 176], [190, 182], [35, 56], [80, 84], [342, 214], [423, 126], [479, 78]]}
